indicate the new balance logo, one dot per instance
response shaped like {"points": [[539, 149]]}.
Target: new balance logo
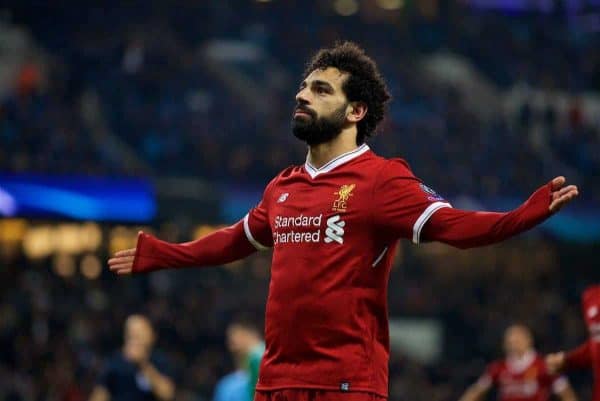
{"points": [[335, 229], [283, 197]]}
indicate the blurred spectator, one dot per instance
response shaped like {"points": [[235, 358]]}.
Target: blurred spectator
{"points": [[136, 372], [236, 385], [159, 96], [245, 343], [57, 331], [523, 375], [233, 387]]}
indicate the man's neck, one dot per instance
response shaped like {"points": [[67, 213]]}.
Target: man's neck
{"points": [[321, 154], [520, 356]]}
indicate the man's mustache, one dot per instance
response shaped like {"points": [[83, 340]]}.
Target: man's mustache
{"points": [[305, 110]]}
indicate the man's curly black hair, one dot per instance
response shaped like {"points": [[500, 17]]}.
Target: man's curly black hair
{"points": [[364, 83]]}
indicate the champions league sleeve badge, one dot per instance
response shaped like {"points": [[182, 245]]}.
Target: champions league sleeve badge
{"points": [[432, 195]]}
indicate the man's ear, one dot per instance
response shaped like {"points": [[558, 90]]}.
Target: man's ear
{"points": [[358, 111]]}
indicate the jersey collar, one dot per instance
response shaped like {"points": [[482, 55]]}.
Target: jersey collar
{"points": [[522, 363], [338, 161]]}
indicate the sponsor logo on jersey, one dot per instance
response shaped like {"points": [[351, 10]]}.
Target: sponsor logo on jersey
{"points": [[344, 193], [296, 229], [592, 312], [283, 197], [335, 229], [519, 388], [304, 229]]}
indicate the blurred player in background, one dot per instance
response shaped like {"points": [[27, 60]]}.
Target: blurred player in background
{"points": [[244, 339], [234, 386], [587, 355], [334, 224], [522, 375], [247, 347], [136, 372]]}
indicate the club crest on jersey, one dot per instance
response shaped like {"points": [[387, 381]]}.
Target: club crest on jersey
{"points": [[344, 193], [283, 197]]}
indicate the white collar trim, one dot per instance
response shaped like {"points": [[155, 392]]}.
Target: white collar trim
{"points": [[336, 162], [522, 363]]}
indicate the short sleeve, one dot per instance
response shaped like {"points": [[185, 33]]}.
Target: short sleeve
{"points": [[256, 222], [402, 203], [559, 384], [488, 378]]}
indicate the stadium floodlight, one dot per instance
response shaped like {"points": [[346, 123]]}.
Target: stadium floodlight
{"points": [[345, 7], [390, 4]]}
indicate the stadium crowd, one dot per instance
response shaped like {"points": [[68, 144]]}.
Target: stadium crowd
{"points": [[58, 331], [145, 64]]}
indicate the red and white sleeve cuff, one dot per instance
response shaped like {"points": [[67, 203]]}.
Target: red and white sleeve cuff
{"points": [[424, 217], [250, 237]]}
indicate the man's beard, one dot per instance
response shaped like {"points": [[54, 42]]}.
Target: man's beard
{"points": [[315, 131]]}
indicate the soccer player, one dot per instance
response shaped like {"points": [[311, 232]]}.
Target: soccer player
{"points": [[245, 343], [522, 375], [235, 386], [333, 224], [587, 355], [136, 372]]}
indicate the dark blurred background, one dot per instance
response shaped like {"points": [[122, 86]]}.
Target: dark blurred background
{"points": [[173, 115]]}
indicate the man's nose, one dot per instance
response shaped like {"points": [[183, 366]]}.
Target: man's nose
{"points": [[302, 97]]}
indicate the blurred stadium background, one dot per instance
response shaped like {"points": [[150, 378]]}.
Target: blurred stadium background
{"points": [[173, 115]]}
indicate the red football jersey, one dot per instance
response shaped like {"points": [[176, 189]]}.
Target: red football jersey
{"points": [[522, 379], [591, 310], [334, 231], [588, 354]]}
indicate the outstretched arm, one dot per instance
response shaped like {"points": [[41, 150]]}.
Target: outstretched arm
{"points": [[162, 386], [578, 358], [466, 229], [150, 254], [478, 390], [563, 390], [235, 242], [475, 392]]}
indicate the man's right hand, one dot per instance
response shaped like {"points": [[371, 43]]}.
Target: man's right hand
{"points": [[555, 362], [122, 261]]}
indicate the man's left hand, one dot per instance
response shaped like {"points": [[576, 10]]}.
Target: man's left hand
{"points": [[561, 194]]}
